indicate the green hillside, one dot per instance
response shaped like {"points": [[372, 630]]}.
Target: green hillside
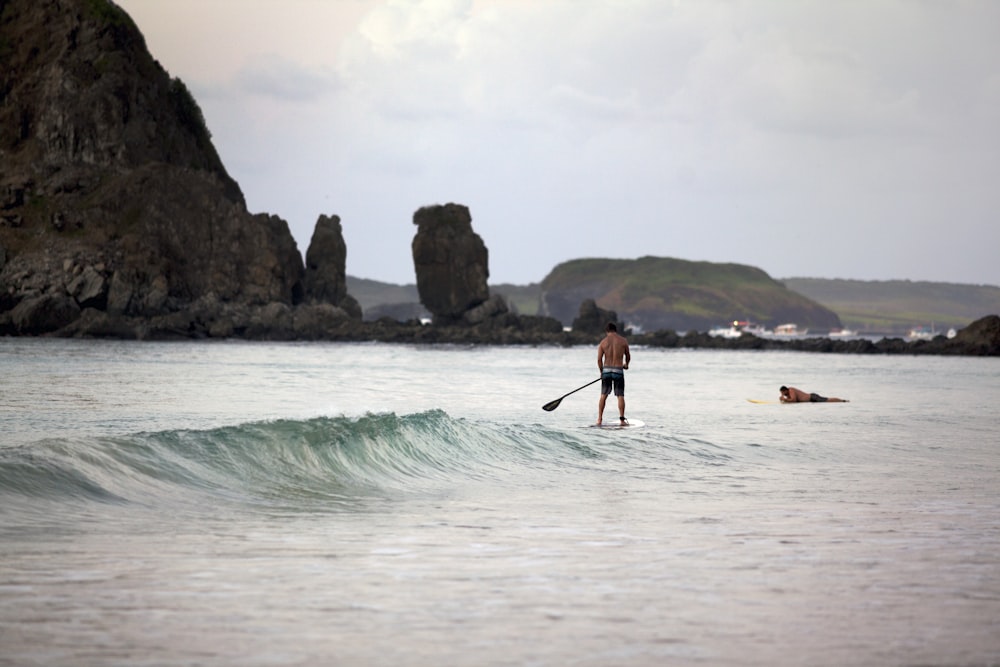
{"points": [[895, 306], [666, 293], [709, 291]]}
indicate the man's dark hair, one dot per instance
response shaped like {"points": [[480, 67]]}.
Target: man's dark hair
{"points": [[611, 327], [782, 388]]}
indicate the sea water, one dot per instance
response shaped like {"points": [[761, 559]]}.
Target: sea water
{"points": [[370, 504]]}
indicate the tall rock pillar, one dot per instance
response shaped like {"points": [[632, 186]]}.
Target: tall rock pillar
{"points": [[451, 261], [326, 267]]}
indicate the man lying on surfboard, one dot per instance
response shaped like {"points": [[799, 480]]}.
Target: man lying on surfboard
{"points": [[793, 395], [612, 360]]}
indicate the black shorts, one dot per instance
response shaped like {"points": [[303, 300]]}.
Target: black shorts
{"points": [[611, 379], [816, 398]]}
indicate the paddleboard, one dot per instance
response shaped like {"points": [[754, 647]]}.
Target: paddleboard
{"points": [[615, 424], [752, 400]]}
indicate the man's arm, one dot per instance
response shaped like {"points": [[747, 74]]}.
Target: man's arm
{"points": [[600, 357], [628, 356]]}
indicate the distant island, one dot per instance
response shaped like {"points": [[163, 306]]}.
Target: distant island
{"points": [[870, 308]]}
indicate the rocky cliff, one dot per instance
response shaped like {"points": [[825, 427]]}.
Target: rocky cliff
{"points": [[117, 216]]}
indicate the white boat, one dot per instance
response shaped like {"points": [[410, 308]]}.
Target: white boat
{"points": [[789, 330], [842, 333], [751, 328], [732, 331], [921, 333]]}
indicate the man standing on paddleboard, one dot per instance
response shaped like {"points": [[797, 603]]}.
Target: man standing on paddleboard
{"points": [[612, 360]]}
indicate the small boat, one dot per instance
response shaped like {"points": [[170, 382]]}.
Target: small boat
{"points": [[842, 333], [921, 333], [751, 328], [789, 330], [732, 331]]}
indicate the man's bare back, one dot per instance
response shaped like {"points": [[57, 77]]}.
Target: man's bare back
{"points": [[613, 351], [795, 395]]}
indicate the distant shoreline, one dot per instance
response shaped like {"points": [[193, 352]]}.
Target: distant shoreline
{"points": [[981, 338]]}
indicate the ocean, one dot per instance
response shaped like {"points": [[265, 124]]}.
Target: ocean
{"points": [[234, 503]]}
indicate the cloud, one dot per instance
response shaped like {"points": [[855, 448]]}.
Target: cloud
{"points": [[278, 78], [725, 130]]}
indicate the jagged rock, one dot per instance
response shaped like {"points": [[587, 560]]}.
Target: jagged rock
{"points": [[314, 321], [106, 161], [451, 261], [397, 312], [325, 272], [44, 313], [593, 319], [89, 288], [82, 91], [981, 338], [491, 308]]}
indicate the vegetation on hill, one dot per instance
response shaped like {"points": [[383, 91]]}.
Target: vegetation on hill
{"points": [[372, 293], [874, 307], [896, 306], [667, 293]]}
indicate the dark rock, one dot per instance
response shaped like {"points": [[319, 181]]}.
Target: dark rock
{"points": [[90, 289], [94, 323], [981, 338], [593, 320], [492, 308], [37, 315], [451, 261], [314, 321], [105, 161], [325, 272], [83, 94], [397, 312]]}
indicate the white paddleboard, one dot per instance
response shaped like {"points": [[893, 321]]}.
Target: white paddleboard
{"points": [[615, 424]]}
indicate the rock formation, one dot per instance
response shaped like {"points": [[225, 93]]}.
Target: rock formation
{"points": [[451, 262], [117, 216], [594, 320], [326, 262]]}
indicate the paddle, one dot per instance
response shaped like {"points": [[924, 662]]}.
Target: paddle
{"points": [[552, 405]]}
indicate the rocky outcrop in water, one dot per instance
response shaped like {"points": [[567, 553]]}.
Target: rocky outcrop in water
{"points": [[117, 216], [593, 319], [326, 262], [451, 262]]}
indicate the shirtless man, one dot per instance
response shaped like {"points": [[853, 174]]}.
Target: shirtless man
{"points": [[612, 360], [793, 395]]}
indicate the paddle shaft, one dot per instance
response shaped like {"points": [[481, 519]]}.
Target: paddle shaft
{"points": [[552, 405]]}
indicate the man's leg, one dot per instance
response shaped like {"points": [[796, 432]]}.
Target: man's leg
{"points": [[600, 407], [621, 407]]}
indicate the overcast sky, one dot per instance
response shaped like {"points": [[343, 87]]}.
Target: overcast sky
{"points": [[853, 139]]}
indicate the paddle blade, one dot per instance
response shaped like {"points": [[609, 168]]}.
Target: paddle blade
{"points": [[552, 405]]}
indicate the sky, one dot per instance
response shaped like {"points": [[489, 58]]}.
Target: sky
{"points": [[857, 139]]}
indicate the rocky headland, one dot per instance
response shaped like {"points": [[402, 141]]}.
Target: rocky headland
{"points": [[118, 219]]}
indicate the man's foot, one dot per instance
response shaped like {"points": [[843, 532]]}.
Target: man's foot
{"points": [[623, 420]]}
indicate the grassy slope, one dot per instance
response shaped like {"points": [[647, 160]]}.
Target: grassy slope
{"points": [[705, 291], [896, 305], [882, 306]]}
